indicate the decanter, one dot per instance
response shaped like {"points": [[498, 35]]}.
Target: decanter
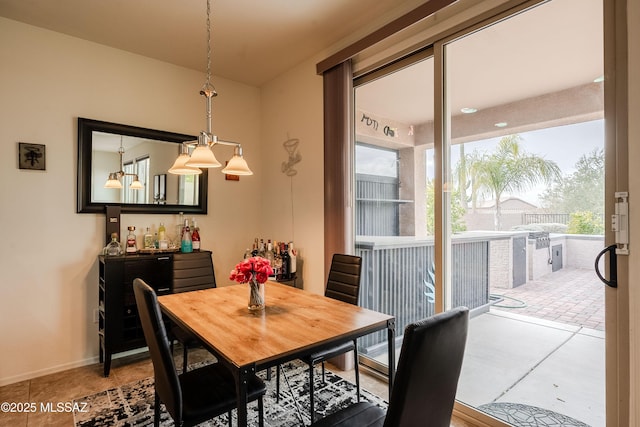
{"points": [[113, 248]]}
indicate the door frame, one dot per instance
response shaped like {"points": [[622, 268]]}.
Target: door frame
{"points": [[617, 312]]}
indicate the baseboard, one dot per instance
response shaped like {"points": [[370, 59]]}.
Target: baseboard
{"points": [[64, 367]]}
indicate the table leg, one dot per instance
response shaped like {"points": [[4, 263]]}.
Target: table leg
{"points": [[391, 340], [241, 393]]}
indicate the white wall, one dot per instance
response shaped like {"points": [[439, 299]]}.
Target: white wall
{"points": [[48, 252], [293, 209]]}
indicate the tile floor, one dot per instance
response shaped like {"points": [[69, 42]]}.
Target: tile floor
{"points": [[68, 385]]}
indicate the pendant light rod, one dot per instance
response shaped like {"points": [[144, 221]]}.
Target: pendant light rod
{"points": [[202, 156]]}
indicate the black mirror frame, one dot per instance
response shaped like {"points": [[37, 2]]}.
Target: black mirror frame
{"points": [[85, 142]]}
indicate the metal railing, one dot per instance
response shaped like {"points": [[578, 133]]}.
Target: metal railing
{"points": [[545, 218], [376, 205], [398, 280]]}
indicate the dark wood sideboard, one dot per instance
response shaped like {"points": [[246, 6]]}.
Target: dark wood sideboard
{"points": [[119, 327]]}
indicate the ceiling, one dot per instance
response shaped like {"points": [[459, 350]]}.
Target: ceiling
{"points": [[544, 50], [541, 51], [253, 41]]}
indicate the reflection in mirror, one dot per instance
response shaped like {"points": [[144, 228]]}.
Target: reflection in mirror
{"points": [[122, 154], [145, 159]]}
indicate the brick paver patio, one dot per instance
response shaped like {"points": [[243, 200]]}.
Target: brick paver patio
{"points": [[571, 296]]}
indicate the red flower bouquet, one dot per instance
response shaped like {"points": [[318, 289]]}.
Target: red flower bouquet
{"points": [[254, 268], [254, 271]]}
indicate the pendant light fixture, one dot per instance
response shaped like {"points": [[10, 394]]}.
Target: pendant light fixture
{"points": [[114, 177], [202, 156]]}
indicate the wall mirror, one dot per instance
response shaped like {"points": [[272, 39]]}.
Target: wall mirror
{"points": [[105, 149]]}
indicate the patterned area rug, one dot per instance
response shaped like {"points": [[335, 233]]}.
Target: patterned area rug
{"points": [[520, 415], [132, 404]]}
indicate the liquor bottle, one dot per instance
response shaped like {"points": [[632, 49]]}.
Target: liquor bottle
{"points": [[277, 261], [187, 244], [261, 249], [148, 239], [285, 272], [195, 236], [254, 252], [162, 232], [292, 261], [162, 237], [180, 226], [269, 253], [113, 248], [132, 246]]}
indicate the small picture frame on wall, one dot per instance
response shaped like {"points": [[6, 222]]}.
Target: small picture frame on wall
{"points": [[31, 156]]}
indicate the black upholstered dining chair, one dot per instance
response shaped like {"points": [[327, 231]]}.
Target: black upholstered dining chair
{"points": [[343, 284], [194, 396], [426, 381], [191, 272]]}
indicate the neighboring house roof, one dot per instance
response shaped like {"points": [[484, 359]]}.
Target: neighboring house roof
{"points": [[508, 203]]}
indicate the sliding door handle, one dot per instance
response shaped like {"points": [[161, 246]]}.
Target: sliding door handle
{"points": [[613, 266]]}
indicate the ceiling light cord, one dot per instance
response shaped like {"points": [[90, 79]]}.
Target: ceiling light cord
{"points": [[208, 90]]}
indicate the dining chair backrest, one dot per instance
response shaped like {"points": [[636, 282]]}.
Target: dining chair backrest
{"points": [[167, 384], [193, 272], [343, 282], [429, 366]]}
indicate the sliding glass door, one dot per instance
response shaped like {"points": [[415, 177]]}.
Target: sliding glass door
{"points": [[490, 195], [525, 177], [393, 197]]}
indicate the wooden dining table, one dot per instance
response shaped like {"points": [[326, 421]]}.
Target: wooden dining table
{"points": [[293, 324]]}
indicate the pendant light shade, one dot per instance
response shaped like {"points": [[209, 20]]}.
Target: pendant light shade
{"points": [[113, 181], [203, 157], [180, 167], [237, 165], [136, 184]]}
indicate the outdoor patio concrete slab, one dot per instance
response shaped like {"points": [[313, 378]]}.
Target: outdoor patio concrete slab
{"points": [[570, 381], [501, 351]]}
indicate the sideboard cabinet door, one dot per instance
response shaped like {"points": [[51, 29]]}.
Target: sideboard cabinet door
{"points": [[119, 327]]}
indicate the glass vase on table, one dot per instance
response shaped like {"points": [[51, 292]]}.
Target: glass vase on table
{"points": [[254, 271], [256, 296]]}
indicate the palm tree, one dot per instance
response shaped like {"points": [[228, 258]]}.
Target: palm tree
{"points": [[464, 173], [509, 169]]}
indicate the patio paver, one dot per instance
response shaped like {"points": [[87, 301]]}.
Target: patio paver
{"points": [[571, 295]]}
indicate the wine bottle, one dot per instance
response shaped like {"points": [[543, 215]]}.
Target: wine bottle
{"points": [[254, 252], [285, 270], [195, 236], [292, 261], [277, 261]]}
